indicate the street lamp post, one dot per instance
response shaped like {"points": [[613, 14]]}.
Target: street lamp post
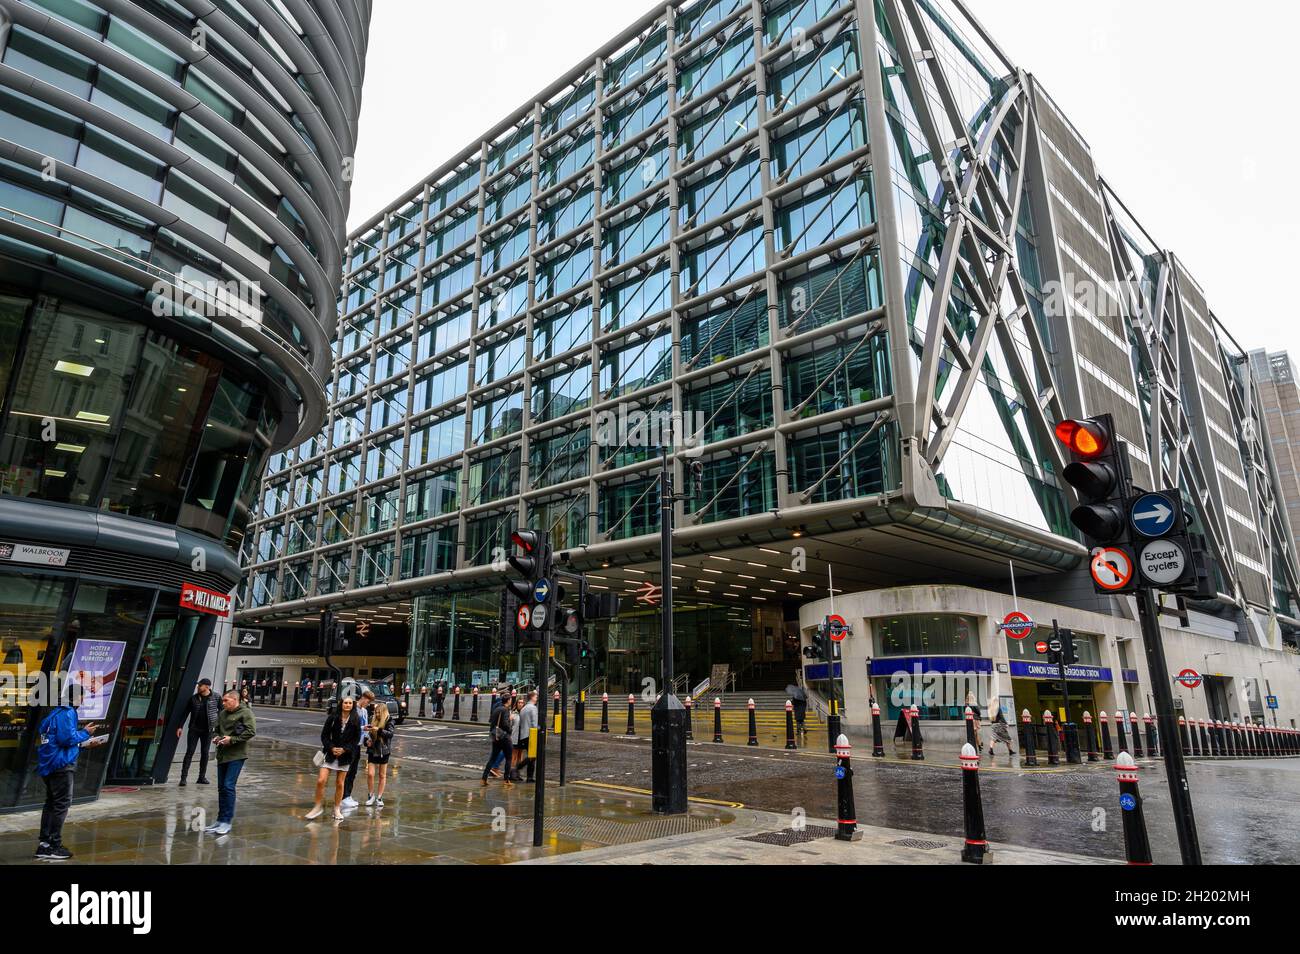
{"points": [[668, 717]]}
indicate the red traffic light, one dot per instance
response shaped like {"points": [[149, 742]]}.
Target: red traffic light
{"points": [[1087, 438], [525, 539]]}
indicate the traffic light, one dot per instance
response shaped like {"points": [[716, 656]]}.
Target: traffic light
{"points": [[534, 596], [1096, 472], [1068, 653], [332, 634], [817, 645]]}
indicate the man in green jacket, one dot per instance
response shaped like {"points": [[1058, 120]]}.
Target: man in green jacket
{"points": [[236, 726]]}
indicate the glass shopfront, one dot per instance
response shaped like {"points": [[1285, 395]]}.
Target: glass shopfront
{"points": [[929, 660], [117, 641]]}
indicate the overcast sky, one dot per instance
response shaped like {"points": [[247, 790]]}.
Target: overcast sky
{"points": [[1186, 110]]}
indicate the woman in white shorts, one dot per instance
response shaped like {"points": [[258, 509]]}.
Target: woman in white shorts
{"points": [[340, 745]]}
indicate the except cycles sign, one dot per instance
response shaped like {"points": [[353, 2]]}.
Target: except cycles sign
{"points": [[1162, 562]]}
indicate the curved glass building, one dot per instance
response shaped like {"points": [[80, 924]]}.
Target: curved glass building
{"points": [[174, 181]]}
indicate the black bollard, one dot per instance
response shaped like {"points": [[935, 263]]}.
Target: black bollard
{"points": [[1107, 750], [293, 699], [1200, 744], [833, 725], [1027, 756], [604, 712], [1225, 739], [406, 697], [438, 702], [473, 704], [877, 737], [846, 830], [1071, 733], [580, 714], [717, 718], [284, 695], [690, 730], [1184, 738], [1053, 740], [753, 726], [631, 714], [1121, 740], [970, 728], [320, 696], [1137, 735], [1092, 737], [1153, 745], [424, 696], [789, 725], [972, 809], [918, 749], [455, 706], [1137, 847], [1216, 738]]}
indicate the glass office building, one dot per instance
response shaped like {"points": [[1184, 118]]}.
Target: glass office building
{"points": [[173, 198], [834, 263]]}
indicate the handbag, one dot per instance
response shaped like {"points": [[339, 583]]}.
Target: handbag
{"points": [[318, 759]]}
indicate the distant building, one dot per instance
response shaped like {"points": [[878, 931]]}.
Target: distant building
{"points": [[1279, 395]]}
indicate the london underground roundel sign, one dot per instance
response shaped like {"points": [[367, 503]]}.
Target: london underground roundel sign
{"points": [[1111, 568], [1190, 678], [1017, 624], [837, 627]]}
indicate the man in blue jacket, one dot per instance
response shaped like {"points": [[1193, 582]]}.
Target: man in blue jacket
{"points": [[56, 760]]}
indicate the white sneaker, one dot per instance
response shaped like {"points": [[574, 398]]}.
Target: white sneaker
{"points": [[212, 828], [314, 813], [379, 803], [349, 802], [222, 829], [371, 800]]}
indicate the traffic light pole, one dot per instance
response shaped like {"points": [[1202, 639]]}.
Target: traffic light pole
{"points": [[668, 717], [1180, 795], [539, 786]]}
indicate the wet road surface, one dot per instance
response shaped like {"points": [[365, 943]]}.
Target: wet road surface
{"points": [[1248, 812]]}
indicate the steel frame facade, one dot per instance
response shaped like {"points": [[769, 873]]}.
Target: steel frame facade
{"points": [[336, 512]]}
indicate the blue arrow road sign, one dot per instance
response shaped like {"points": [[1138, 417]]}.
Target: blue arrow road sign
{"points": [[541, 591], [1153, 515]]}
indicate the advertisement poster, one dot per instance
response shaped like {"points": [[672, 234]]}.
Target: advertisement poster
{"points": [[94, 665]]}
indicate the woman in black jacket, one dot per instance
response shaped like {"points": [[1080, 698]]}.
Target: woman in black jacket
{"points": [[340, 746]]}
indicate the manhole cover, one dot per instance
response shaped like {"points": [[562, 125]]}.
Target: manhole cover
{"points": [[1065, 814], [791, 836], [609, 832], [919, 843]]}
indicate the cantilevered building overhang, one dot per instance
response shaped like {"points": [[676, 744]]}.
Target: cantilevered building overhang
{"points": [[823, 236]]}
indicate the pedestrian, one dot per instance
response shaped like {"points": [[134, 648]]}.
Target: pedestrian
{"points": [[438, 699], [340, 741], [235, 728], [379, 751], [1001, 733], [244, 697], [974, 707], [498, 701], [363, 713], [56, 761], [800, 713], [515, 706], [527, 722], [500, 733], [201, 713]]}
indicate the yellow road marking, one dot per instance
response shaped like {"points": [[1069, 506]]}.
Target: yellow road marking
{"points": [[646, 791]]}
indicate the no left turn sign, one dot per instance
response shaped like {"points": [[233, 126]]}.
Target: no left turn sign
{"points": [[1111, 568]]}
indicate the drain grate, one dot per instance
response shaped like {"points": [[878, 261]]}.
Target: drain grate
{"points": [[919, 843], [609, 832], [790, 836], [1065, 814]]}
